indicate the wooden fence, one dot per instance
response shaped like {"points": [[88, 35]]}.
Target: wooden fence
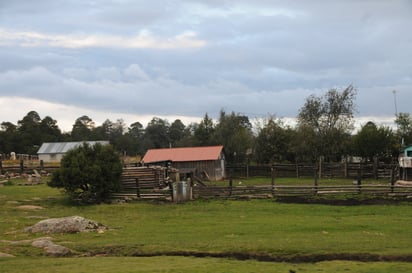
{"points": [[26, 166], [374, 170], [268, 191]]}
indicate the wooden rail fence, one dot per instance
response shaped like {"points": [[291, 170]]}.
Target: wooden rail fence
{"points": [[268, 191], [376, 170]]}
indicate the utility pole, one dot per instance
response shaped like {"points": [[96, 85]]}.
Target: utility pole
{"points": [[396, 106]]}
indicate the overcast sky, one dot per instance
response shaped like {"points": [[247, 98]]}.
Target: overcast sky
{"points": [[135, 60]]}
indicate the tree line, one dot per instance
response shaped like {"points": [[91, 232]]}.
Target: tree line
{"points": [[324, 129]]}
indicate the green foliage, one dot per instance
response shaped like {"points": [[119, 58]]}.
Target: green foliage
{"points": [[82, 129], [203, 133], [273, 142], [234, 132], [372, 141], [89, 173], [156, 133], [325, 124], [404, 124]]}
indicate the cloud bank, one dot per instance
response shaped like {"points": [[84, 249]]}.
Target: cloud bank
{"points": [[139, 59]]}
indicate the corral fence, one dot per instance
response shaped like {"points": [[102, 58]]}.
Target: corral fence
{"points": [[375, 170], [21, 166], [153, 183], [269, 191]]}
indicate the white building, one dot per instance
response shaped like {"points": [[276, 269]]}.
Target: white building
{"points": [[54, 151]]}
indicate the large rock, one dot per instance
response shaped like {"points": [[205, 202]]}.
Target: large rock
{"points": [[51, 248], [71, 224], [5, 255]]}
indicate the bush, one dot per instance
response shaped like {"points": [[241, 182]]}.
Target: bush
{"points": [[89, 174]]}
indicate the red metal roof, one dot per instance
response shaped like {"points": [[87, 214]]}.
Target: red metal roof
{"points": [[183, 154]]}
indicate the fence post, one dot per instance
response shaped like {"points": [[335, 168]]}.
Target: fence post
{"points": [[316, 178], [375, 168], [1, 166], [41, 165], [297, 170], [346, 167], [359, 181], [171, 190], [392, 178], [247, 169], [320, 167], [273, 181], [137, 188], [230, 186], [21, 166]]}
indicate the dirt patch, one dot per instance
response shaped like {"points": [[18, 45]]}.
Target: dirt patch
{"points": [[295, 258], [30, 207], [343, 200]]}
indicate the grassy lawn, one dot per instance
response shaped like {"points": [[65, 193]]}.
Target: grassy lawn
{"points": [[173, 234]]}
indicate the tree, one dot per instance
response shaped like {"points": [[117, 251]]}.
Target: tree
{"points": [[325, 124], [88, 173], [273, 142], [29, 133], [9, 139], [49, 129], [204, 131], [82, 129], [156, 134], [234, 132], [134, 138], [404, 128], [372, 141], [176, 132]]}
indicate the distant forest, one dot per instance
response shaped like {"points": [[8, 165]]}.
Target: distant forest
{"points": [[324, 129]]}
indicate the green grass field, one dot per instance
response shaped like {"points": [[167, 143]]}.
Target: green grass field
{"points": [[209, 236]]}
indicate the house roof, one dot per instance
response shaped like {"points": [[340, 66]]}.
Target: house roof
{"points": [[183, 154], [63, 147]]}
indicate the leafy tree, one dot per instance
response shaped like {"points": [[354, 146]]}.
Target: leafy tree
{"points": [[325, 124], [134, 138], [29, 133], [273, 142], [404, 128], [156, 134], [372, 141], [204, 132], [89, 174], [82, 129], [9, 139], [176, 132], [234, 132], [49, 129]]}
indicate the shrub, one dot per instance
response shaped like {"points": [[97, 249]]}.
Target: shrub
{"points": [[89, 174]]}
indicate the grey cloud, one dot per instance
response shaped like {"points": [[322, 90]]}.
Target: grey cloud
{"points": [[260, 57]]}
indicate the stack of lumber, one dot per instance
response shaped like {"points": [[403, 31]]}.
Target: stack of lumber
{"points": [[148, 178]]}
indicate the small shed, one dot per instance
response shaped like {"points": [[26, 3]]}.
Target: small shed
{"points": [[405, 163], [407, 152], [207, 161], [54, 151]]}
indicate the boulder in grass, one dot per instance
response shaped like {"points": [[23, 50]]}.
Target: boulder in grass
{"points": [[71, 224], [5, 255], [51, 248]]}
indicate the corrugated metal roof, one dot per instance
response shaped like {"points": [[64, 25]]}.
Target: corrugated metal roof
{"points": [[183, 154], [63, 147]]}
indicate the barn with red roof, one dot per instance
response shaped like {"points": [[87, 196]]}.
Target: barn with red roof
{"points": [[205, 162]]}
